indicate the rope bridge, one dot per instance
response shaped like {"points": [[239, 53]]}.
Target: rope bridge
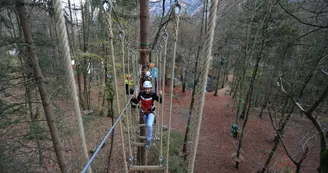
{"points": [[69, 73]]}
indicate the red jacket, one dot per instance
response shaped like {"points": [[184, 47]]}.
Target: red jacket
{"points": [[147, 101]]}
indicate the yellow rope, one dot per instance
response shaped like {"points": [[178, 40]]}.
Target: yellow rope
{"points": [[176, 26], [204, 73], [109, 22], [64, 48]]}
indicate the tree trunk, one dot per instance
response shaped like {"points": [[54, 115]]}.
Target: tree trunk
{"points": [[251, 85], [233, 84], [106, 82], [191, 106], [42, 88], [85, 82], [78, 74], [235, 91], [111, 112], [270, 156], [238, 109], [241, 138], [89, 86], [225, 74], [265, 103], [72, 39], [37, 109], [184, 80], [286, 119], [217, 82], [185, 141]]}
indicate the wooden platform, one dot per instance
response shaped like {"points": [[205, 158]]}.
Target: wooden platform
{"points": [[146, 168]]}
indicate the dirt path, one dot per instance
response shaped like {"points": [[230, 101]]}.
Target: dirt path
{"points": [[216, 146]]}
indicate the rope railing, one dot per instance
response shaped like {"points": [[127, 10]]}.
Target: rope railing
{"points": [[135, 70], [165, 38], [204, 74], [64, 48], [129, 111], [110, 30], [105, 138], [175, 37]]}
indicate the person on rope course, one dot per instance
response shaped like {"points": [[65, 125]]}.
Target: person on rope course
{"points": [[153, 71], [147, 98], [128, 84], [148, 76]]}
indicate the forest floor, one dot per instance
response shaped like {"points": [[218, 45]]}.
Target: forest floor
{"points": [[216, 145]]}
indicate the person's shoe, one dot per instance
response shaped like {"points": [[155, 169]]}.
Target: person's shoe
{"points": [[147, 145]]}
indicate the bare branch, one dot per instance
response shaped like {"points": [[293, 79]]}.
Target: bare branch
{"points": [[317, 102], [13, 105], [324, 72], [309, 140], [286, 150], [283, 90], [309, 24], [272, 120], [280, 139]]}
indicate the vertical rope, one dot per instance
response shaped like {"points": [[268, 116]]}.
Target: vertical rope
{"points": [[109, 21], [163, 95], [129, 112], [156, 65], [158, 86], [204, 73], [176, 26], [134, 78], [64, 48], [154, 89], [122, 36]]}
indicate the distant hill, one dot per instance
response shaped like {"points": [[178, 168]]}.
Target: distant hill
{"points": [[192, 7]]}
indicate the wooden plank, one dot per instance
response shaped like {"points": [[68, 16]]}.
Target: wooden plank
{"points": [[146, 168], [142, 137], [142, 125], [139, 144]]}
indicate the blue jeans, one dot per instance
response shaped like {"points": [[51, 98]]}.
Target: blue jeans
{"points": [[149, 120]]}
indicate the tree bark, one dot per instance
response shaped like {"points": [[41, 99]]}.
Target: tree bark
{"points": [[241, 138], [265, 102], [251, 85], [111, 112], [217, 82], [184, 80], [225, 74], [24, 22]]}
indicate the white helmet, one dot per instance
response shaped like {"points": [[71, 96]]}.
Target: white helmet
{"points": [[147, 74], [147, 84]]}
